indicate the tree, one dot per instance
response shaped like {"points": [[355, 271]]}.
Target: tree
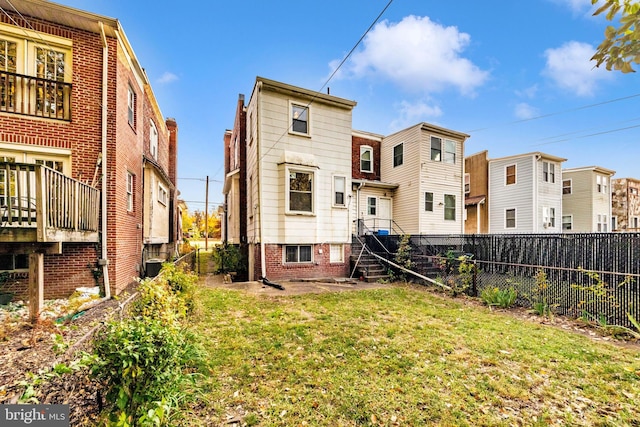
{"points": [[621, 46]]}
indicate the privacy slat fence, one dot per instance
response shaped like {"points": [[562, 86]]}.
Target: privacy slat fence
{"points": [[595, 275]]}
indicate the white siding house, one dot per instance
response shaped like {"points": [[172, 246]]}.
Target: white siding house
{"points": [[526, 194], [298, 182], [586, 199], [427, 163]]}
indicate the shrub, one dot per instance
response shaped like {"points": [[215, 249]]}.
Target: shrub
{"points": [[140, 362], [228, 258], [182, 282], [503, 298]]}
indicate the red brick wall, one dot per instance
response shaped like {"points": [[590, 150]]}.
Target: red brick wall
{"points": [[356, 143], [320, 268]]}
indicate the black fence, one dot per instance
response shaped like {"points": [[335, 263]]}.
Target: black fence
{"points": [[595, 276]]}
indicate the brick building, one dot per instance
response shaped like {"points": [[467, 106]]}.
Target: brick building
{"points": [[87, 160]]}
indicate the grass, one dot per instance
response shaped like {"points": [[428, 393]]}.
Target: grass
{"points": [[401, 356]]}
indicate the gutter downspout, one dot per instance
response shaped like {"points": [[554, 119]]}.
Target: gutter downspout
{"points": [[360, 186], [263, 261], [104, 261]]}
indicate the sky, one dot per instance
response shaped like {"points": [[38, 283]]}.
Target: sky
{"points": [[514, 75]]}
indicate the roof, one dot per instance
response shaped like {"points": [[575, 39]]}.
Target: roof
{"points": [[534, 153], [598, 169], [375, 184], [475, 200], [310, 95]]}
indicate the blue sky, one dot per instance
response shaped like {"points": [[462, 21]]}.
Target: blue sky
{"points": [[515, 75]]}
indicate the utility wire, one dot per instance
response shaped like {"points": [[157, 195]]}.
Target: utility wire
{"points": [[375, 21]]}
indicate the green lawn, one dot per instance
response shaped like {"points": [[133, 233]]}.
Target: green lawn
{"points": [[400, 356]]}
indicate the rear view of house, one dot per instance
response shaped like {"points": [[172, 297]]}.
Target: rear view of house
{"points": [[87, 161], [586, 199], [525, 193]]}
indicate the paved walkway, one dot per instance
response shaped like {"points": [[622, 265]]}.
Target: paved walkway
{"points": [[291, 288]]}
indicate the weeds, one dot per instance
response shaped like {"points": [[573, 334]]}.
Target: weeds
{"points": [[503, 298]]}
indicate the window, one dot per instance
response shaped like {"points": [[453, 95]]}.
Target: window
{"points": [[153, 140], [301, 191], [601, 184], [548, 217], [548, 172], [566, 186], [510, 218], [40, 73], [436, 149], [428, 202], [130, 192], [602, 223], [614, 223], [162, 194], [131, 107], [510, 174], [398, 153], [371, 205], [634, 222], [450, 207], [339, 185], [467, 183], [299, 119], [14, 262], [56, 165], [336, 253], [366, 158], [449, 151], [297, 253], [633, 191], [567, 222]]}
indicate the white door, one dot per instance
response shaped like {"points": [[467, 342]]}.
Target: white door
{"points": [[384, 215]]}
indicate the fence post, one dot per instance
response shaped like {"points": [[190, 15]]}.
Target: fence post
{"points": [[474, 281]]}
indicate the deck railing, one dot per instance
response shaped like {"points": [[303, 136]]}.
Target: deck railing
{"points": [[35, 96], [36, 196]]}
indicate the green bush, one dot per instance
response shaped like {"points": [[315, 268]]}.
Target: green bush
{"points": [[182, 282], [503, 298], [140, 362], [228, 258], [156, 300]]}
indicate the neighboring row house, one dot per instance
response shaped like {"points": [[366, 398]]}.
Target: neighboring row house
{"points": [[300, 182], [87, 160], [586, 199], [626, 205]]}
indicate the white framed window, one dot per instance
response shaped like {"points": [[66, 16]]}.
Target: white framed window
{"points": [[398, 155], [18, 262], [153, 140], [366, 158], [566, 186], [634, 222], [299, 119], [601, 225], [614, 223], [449, 151], [428, 202], [467, 183], [510, 218], [295, 254], [339, 191], [510, 174], [567, 222], [633, 191], [450, 207], [372, 205], [130, 186], [436, 149], [336, 253], [549, 172], [601, 184], [548, 217], [131, 107], [300, 189], [163, 194]]}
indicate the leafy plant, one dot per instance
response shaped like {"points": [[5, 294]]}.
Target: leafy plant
{"points": [[403, 255], [140, 362], [229, 258], [503, 298], [539, 297], [157, 300]]}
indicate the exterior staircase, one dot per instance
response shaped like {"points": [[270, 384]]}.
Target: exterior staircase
{"points": [[367, 266]]}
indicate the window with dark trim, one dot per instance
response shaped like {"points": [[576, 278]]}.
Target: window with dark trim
{"points": [[450, 207], [428, 202], [398, 155], [297, 253], [510, 174]]}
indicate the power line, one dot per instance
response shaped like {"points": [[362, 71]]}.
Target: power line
{"points": [[375, 21], [557, 113]]}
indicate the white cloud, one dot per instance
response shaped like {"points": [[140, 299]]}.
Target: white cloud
{"points": [[570, 67], [167, 77], [411, 113], [417, 54], [529, 92], [525, 111]]}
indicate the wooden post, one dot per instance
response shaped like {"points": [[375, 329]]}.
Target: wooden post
{"points": [[206, 216], [36, 285]]}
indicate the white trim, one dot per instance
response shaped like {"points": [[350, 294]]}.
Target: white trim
{"points": [[515, 218], [363, 149], [304, 106], [300, 169], [344, 192]]}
